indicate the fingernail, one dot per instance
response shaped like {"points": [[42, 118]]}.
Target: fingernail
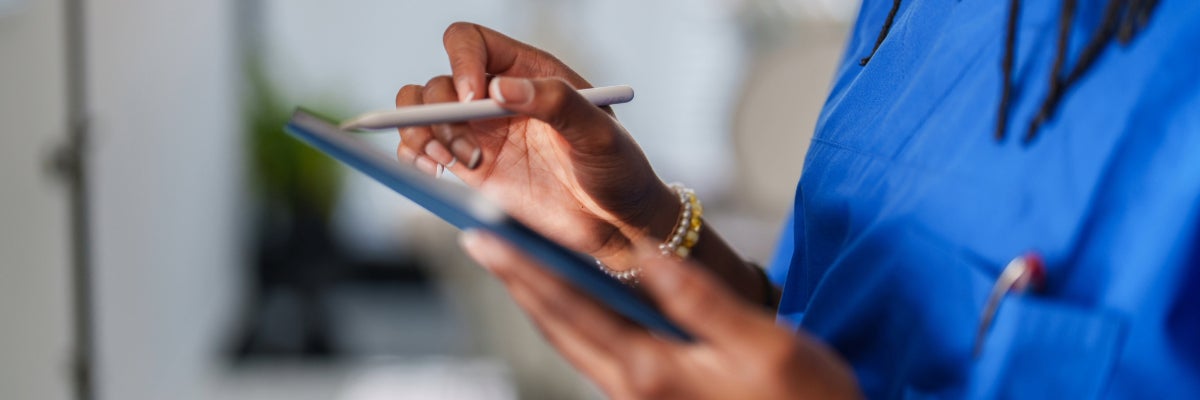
{"points": [[511, 90], [466, 152], [427, 165], [472, 240], [438, 152], [465, 93], [468, 238]]}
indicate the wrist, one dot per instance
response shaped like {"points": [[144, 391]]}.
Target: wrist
{"points": [[658, 217], [657, 213]]}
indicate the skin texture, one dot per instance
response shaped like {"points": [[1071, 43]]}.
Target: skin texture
{"points": [[740, 354], [567, 169]]}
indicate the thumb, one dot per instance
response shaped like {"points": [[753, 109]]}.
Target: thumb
{"points": [[583, 125]]}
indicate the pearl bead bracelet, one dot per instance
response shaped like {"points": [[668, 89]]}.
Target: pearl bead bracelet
{"points": [[684, 235], [686, 232]]}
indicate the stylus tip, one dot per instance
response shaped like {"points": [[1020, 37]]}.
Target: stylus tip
{"points": [[350, 125]]}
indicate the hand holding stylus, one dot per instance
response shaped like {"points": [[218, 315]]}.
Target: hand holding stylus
{"points": [[560, 164]]}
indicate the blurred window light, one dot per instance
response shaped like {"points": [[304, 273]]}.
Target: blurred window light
{"points": [[9, 7]]}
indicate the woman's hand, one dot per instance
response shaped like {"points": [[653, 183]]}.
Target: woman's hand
{"points": [[740, 352], [562, 166]]}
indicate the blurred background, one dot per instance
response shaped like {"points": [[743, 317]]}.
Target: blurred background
{"points": [[161, 238]]}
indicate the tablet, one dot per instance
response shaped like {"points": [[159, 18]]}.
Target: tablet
{"points": [[466, 209]]}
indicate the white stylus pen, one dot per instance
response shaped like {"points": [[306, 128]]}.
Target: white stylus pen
{"points": [[441, 113]]}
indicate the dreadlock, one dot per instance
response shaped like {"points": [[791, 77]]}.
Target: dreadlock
{"points": [[887, 27], [1123, 19]]}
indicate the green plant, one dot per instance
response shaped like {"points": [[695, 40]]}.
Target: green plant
{"points": [[284, 172]]}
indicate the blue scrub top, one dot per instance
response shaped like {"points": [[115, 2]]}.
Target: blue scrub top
{"points": [[908, 208]]}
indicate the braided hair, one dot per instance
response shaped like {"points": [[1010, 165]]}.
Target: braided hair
{"points": [[1122, 20]]}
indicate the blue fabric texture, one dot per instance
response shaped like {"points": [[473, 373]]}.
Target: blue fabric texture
{"points": [[909, 208]]}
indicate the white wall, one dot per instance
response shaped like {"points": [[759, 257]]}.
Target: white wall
{"points": [[167, 182], [34, 302]]}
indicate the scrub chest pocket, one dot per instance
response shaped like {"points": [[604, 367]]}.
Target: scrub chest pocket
{"points": [[897, 285]]}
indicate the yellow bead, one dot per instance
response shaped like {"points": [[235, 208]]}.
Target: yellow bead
{"points": [[682, 252], [692, 238], [695, 225]]}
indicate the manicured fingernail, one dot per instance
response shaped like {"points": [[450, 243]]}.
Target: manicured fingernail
{"points": [[466, 152], [427, 165], [465, 93], [511, 90], [438, 152]]}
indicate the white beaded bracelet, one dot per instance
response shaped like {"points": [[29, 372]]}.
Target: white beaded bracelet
{"points": [[684, 235], [686, 232]]}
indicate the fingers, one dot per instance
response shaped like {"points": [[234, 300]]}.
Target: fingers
{"points": [[470, 57], [476, 51], [585, 126], [589, 338], [552, 297], [451, 141], [413, 140], [693, 298], [430, 148], [576, 349]]}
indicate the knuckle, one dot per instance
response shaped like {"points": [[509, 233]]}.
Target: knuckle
{"points": [[456, 29], [556, 97], [407, 92], [448, 132], [439, 88], [406, 154], [556, 100], [437, 83], [414, 138], [544, 62], [409, 134]]}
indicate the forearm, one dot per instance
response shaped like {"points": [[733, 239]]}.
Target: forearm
{"points": [[743, 277]]}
